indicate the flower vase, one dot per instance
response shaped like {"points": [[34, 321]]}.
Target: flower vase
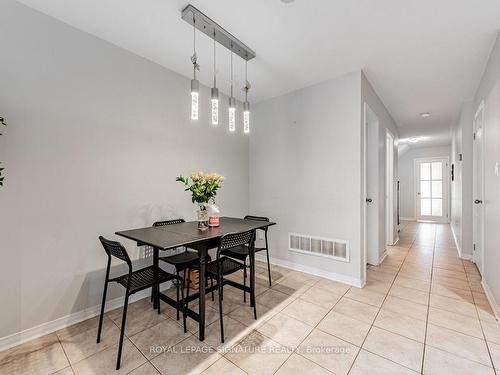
{"points": [[202, 216]]}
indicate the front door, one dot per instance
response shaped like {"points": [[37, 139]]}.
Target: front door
{"points": [[431, 189]]}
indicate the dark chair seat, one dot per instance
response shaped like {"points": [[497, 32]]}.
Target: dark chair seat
{"points": [[241, 252], [228, 266], [144, 278], [182, 260]]}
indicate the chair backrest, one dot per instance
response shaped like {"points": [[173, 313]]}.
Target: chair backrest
{"points": [[231, 240], [168, 222], [258, 218], [115, 249]]}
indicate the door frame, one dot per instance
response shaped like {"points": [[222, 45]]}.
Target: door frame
{"points": [[374, 121], [481, 108], [389, 188], [446, 187]]}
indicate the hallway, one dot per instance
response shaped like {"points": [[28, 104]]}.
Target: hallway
{"points": [[435, 316]]}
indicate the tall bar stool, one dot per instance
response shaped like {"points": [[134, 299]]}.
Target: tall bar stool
{"points": [[241, 253], [133, 282], [223, 266], [182, 261]]}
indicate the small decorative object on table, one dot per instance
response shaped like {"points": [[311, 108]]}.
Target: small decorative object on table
{"points": [[203, 188]]}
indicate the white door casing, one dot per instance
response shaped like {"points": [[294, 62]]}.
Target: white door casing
{"points": [[478, 188]]}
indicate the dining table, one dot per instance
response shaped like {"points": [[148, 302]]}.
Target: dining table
{"points": [[187, 234]]}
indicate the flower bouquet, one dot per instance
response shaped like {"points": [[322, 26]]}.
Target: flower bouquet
{"points": [[203, 188]]}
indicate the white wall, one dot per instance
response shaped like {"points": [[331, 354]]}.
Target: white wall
{"points": [[461, 188], [406, 172], [95, 139], [305, 170], [489, 92]]}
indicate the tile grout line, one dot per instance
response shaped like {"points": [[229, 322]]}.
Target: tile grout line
{"points": [[429, 302], [479, 319], [380, 308], [315, 327]]}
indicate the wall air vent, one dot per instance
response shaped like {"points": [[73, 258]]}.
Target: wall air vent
{"points": [[319, 246]]}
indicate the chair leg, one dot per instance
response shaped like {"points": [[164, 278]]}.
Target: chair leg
{"points": [[157, 296], [245, 281], [122, 331], [221, 315], [184, 313], [177, 281], [212, 285], [102, 311], [188, 278], [268, 266]]}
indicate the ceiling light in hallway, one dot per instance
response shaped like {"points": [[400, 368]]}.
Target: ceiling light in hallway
{"points": [[425, 114]]}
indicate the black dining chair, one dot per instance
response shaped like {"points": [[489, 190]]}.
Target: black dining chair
{"points": [[182, 261], [133, 282], [241, 253], [223, 266]]}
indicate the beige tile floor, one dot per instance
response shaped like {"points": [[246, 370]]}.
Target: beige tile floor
{"points": [[422, 311]]}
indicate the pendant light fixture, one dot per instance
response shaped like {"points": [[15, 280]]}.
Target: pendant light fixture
{"points": [[246, 104], [213, 30], [215, 93], [195, 84], [232, 100]]}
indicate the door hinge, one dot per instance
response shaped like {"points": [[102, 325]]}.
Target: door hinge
{"points": [[474, 247], [474, 136]]}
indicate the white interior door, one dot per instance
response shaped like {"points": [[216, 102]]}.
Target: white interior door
{"points": [[371, 196], [431, 189], [478, 188]]}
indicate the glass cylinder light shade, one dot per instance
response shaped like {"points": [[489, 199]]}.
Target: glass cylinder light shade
{"points": [[246, 117], [195, 90], [215, 106], [232, 114]]}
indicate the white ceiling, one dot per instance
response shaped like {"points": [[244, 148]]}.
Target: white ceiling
{"points": [[420, 55]]}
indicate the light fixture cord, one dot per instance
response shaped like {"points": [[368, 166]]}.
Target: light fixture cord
{"points": [[215, 74], [194, 58], [246, 80], [231, 70]]}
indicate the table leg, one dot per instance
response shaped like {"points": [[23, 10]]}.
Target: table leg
{"points": [[202, 251], [156, 288]]}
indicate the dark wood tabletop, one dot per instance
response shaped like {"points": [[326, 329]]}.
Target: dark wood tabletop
{"points": [[176, 235]]}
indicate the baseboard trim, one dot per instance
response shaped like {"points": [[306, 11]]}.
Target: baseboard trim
{"points": [[312, 271], [408, 218], [382, 258], [491, 300], [43, 329]]}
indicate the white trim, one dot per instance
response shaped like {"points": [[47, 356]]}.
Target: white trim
{"points": [[389, 187], [382, 258], [407, 219], [491, 299], [43, 329], [481, 235], [313, 271]]}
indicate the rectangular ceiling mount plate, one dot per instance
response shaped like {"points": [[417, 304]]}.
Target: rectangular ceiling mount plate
{"points": [[206, 25]]}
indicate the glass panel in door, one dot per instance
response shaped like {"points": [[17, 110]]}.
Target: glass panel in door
{"points": [[431, 190]]}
